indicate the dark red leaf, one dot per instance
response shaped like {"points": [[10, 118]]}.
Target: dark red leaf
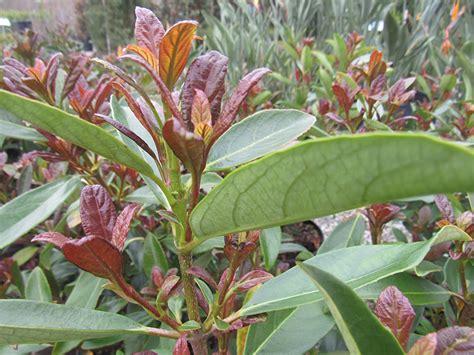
{"points": [[344, 101], [51, 237], [188, 146], [148, 30], [98, 213], [445, 207], [424, 346], [95, 255], [206, 73], [181, 347], [203, 274], [156, 276], [52, 71], [232, 106], [75, 71], [395, 311], [120, 231]]}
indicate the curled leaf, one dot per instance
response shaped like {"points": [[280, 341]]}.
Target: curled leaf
{"points": [[174, 51]]}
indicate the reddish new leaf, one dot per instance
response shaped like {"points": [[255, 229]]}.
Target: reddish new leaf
{"points": [[98, 213], [187, 146], [181, 347], [342, 97], [95, 255], [120, 232], [201, 115], [206, 73], [174, 51], [168, 288], [146, 54], [445, 207], [148, 30], [424, 346], [201, 273], [157, 276], [252, 279], [75, 71], [455, 340], [395, 311], [232, 106], [51, 237]]}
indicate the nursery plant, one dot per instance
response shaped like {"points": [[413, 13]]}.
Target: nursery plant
{"points": [[175, 168]]}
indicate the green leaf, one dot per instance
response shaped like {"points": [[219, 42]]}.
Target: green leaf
{"points": [[24, 254], [30, 322], [37, 287], [329, 175], [256, 136], [189, 325], [357, 266], [28, 210], [270, 241], [290, 331], [74, 130], [362, 331], [346, 233], [153, 255], [13, 130]]}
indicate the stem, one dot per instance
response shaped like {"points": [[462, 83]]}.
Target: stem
{"points": [[163, 333], [462, 276]]}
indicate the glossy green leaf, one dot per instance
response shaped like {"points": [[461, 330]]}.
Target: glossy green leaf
{"points": [[26, 211], [73, 129], [329, 175], [357, 266], [270, 241], [29, 322], [256, 136], [13, 130], [363, 333], [153, 255], [37, 287], [346, 233], [289, 331]]}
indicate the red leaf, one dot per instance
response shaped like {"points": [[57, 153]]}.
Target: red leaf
{"points": [[181, 347], [424, 346], [455, 340], [174, 51], [95, 255], [120, 231], [376, 88], [188, 146], [156, 276], [395, 311], [201, 273], [206, 73], [445, 207], [51, 237], [252, 279], [169, 287], [75, 71], [148, 30], [232, 106], [98, 213], [342, 97]]}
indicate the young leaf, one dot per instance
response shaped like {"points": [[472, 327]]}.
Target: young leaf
{"points": [[98, 215], [37, 287], [206, 73], [174, 50], [23, 322], [232, 106], [25, 212], [425, 345], [306, 180], [181, 347], [256, 136], [122, 225], [148, 30], [361, 330], [74, 130], [395, 311]]}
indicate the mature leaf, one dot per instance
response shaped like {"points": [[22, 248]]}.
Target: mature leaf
{"points": [[361, 330], [232, 105], [270, 241], [74, 130], [188, 146], [330, 175], [148, 30], [95, 255], [25, 212], [357, 266], [346, 233], [29, 322], [120, 231], [256, 136], [206, 73], [13, 130], [174, 50], [37, 287], [424, 346], [290, 331], [98, 215], [395, 311], [153, 255]]}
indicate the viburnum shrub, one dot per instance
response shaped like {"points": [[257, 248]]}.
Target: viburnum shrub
{"points": [[175, 144]]}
